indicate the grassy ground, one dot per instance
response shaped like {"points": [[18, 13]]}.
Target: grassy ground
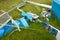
{"points": [[36, 31]]}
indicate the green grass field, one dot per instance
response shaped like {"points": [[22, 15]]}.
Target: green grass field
{"points": [[36, 30]]}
